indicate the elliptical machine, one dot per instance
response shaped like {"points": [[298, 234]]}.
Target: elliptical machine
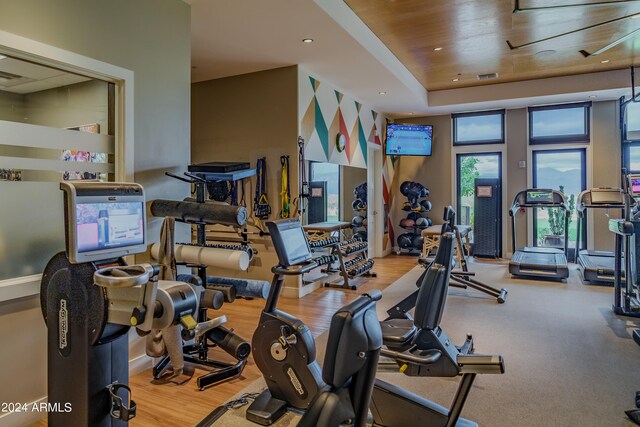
{"points": [[90, 298], [283, 347]]}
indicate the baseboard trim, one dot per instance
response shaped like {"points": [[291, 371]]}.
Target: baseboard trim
{"points": [[19, 419], [140, 364]]}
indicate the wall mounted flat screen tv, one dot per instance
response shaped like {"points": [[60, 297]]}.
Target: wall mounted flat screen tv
{"points": [[408, 140]]}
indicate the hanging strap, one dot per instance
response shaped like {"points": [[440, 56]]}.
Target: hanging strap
{"points": [[284, 194], [261, 208]]}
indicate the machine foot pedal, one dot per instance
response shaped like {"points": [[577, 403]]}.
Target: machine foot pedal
{"points": [[266, 409]]}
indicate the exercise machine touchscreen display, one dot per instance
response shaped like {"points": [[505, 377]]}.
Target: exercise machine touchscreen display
{"points": [[109, 225], [539, 196], [289, 241], [634, 180], [103, 220]]}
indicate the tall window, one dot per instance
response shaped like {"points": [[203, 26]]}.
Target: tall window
{"points": [[482, 127], [565, 171], [557, 124], [630, 113], [330, 173]]}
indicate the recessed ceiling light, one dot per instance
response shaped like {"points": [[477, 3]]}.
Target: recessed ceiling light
{"points": [[437, 49], [593, 96], [382, 93], [604, 61], [307, 40], [411, 114], [636, 16], [2, 57], [456, 79]]}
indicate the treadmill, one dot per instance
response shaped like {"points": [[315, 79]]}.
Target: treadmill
{"points": [[539, 262], [597, 267]]}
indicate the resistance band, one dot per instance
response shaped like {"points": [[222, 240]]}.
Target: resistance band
{"points": [[261, 208], [285, 195]]}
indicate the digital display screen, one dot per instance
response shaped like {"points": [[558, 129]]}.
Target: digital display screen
{"points": [[295, 243], [539, 196], [635, 185], [606, 197], [409, 140], [109, 225]]}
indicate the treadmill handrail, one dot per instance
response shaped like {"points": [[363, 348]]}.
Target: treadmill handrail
{"points": [[516, 206]]}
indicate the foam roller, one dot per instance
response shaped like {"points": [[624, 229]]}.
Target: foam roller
{"points": [[228, 291], [207, 213], [245, 288], [212, 298], [230, 342]]}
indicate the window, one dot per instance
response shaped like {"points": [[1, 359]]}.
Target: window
{"points": [[484, 127], [329, 173], [565, 171], [553, 124], [54, 125], [630, 113]]}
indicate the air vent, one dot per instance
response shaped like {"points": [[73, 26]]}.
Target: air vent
{"points": [[487, 76], [8, 76]]}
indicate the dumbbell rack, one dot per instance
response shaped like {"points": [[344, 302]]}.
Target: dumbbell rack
{"points": [[321, 246], [353, 262]]}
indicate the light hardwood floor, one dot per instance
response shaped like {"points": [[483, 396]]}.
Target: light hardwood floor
{"points": [[185, 405]]}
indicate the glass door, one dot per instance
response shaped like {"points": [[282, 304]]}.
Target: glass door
{"points": [[565, 171], [468, 168]]}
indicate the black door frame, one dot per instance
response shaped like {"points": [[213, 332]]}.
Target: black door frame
{"points": [[459, 199]]}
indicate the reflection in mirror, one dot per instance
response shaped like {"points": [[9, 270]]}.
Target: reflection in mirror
{"points": [[34, 98]]}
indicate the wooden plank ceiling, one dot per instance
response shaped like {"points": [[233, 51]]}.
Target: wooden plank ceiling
{"points": [[473, 36]]}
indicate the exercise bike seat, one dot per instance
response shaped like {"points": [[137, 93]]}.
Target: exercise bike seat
{"points": [[398, 334], [349, 367]]}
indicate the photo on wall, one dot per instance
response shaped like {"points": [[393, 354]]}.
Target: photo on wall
{"points": [[84, 156]]}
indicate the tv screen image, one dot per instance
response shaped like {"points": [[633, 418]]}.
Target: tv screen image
{"points": [[409, 140]]}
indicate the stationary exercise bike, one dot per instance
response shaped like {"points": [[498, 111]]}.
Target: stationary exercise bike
{"points": [[283, 347]]}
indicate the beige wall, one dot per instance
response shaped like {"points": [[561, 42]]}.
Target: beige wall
{"points": [[433, 172], [242, 118], [151, 38], [606, 164], [437, 174], [516, 134]]}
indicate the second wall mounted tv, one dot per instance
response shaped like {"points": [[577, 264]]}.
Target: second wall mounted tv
{"points": [[408, 140]]}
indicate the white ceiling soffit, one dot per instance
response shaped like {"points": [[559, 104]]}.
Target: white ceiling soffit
{"points": [[243, 36]]}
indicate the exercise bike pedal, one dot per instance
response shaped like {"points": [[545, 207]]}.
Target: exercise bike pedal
{"points": [[266, 409]]}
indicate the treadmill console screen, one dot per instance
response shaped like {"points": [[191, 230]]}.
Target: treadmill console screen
{"points": [[289, 241], [634, 181], [539, 196], [607, 197]]}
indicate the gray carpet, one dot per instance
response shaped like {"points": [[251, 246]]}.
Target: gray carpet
{"points": [[569, 360]]}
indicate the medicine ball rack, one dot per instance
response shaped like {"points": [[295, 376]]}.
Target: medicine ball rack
{"points": [[416, 205], [359, 222]]}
